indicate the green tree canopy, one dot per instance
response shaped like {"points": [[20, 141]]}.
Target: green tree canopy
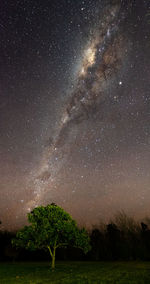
{"points": [[51, 228]]}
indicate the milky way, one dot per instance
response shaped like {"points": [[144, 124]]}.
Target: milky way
{"points": [[101, 60], [76, 109]]}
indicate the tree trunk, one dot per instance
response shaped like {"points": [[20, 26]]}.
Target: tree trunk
{"points": [[53, 260], [52, 256]]}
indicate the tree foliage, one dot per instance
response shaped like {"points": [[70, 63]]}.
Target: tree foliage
{"points": [[51, 228]]}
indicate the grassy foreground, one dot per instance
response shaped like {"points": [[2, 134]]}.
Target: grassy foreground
{"points": [[76, 273]]}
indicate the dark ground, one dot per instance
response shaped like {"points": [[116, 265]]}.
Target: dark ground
{"points": [[75, 273]]}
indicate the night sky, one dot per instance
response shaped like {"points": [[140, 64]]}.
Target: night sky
{"points": [[74, 108]]}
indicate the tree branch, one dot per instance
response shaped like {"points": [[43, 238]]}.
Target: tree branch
{"points": [[50, 251]]}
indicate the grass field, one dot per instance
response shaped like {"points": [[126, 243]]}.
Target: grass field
{"points": [[76, 273]]}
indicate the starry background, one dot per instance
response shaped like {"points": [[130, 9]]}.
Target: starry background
{"points": [[74, 108]]}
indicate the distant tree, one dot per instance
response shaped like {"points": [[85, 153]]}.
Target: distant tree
{"points": [[97, 244], [113, 236], [145, 235], [144, 227], [126, 223], [51, 228]]}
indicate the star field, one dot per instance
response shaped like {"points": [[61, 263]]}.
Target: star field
{"points": [[74, 108]]}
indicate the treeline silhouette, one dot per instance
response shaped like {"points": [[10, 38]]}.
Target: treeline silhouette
{"points": [[122, 239]]}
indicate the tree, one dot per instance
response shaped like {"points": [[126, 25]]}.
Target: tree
{"points": [[51, 228]]}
